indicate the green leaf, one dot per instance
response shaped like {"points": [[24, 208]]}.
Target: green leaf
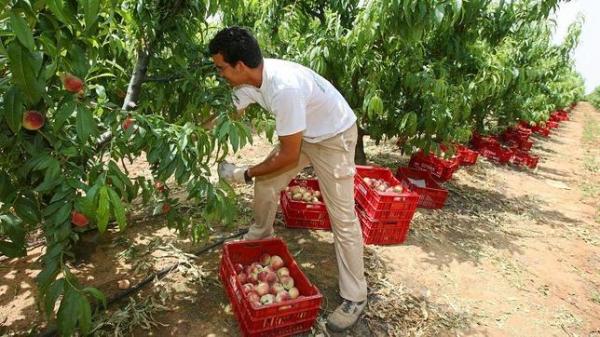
{"points": [[13, 109], [11, 227], [63, 113], [55, 289], [118, 209], [103, 209], [69, 311], [62, 11], [22, 66], [96, 294], [49, 271], [90, 10], [63, 213], [27, 210], [234, 138], [22, 30], [6, 186], [85, 315], [84, 123]]}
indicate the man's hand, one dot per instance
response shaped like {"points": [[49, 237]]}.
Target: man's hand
{"points": [[231, 173]]}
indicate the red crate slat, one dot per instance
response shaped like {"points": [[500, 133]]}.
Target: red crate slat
{"points": [[279, 319], [431, 194]]}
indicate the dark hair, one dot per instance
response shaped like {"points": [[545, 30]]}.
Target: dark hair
{"points": [[236, 44]]}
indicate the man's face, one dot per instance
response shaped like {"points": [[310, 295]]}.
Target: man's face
{"points": [[233, 74]]}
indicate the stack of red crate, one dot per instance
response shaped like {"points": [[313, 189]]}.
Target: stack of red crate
{"points": [[518, 137], [441, 169], [278, 319], [491, 148], [540, 130], [302, 214], [384, 216]]}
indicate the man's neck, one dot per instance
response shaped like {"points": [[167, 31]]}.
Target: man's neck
{"points": [[256, 76]]}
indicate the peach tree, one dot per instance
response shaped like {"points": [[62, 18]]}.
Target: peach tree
{"points": [[87, 85], [426, 72]]}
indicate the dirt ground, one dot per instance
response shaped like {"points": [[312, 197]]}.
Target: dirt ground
{"points": [[515, 252]]}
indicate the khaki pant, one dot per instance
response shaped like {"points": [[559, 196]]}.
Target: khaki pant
{"points": [[333, 162]]}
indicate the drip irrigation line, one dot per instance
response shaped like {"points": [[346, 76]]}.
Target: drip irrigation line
{"points": [[157, 275]]}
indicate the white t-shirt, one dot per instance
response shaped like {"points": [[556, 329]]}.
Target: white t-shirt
{"points": [[300, 99]]}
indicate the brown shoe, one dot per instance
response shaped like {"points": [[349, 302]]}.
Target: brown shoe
{"points": [[345, 315]]}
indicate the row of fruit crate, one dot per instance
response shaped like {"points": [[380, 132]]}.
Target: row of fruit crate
{"points": [[272, 297]]}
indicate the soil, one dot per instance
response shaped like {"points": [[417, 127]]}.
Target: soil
{"points": [[515, 252]]}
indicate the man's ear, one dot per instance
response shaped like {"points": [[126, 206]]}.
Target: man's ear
{"points": [[240, 66]]}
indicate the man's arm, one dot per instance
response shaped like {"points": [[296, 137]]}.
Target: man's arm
{"points": [[287, 155]]}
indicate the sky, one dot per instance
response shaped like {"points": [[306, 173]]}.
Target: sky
{"points": [[587, 54]]}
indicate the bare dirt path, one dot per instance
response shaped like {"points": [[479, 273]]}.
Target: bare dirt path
{"points": [[514, 253], [519, 251]]}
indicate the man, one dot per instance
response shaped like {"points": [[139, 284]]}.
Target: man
{"points": [[315, 125]]}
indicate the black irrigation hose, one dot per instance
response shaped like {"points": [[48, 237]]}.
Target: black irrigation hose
{"points": [[159, 274]]}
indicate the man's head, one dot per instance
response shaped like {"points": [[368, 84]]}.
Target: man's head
{"points": [[235, 53]]}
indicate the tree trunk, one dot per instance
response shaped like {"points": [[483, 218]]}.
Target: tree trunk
{"points": [[133, 90], [138, 77], [359, 154]]}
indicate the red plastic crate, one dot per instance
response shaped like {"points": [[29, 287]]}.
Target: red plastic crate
{"points": [[514, 135], [441, 169], [457, 157], [301, 214], [274, 320], [542, 131], [467, 156], [559, 116], [521, 158], [431, 194], [383, 205], [378, 232], [478, 141], [497, 154], [545, 132], [520, 145]]}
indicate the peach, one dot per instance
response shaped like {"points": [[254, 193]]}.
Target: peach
{"points": [[267, 299], [242, 278], [79, 219], [276, 262], [283, 271], [276, 287], [265, 259], [247, 288], [262, 288], [127, 123], [287, 282], [33, 120], [294, 293], [72, 83], [253, 298], [282, 296]]}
